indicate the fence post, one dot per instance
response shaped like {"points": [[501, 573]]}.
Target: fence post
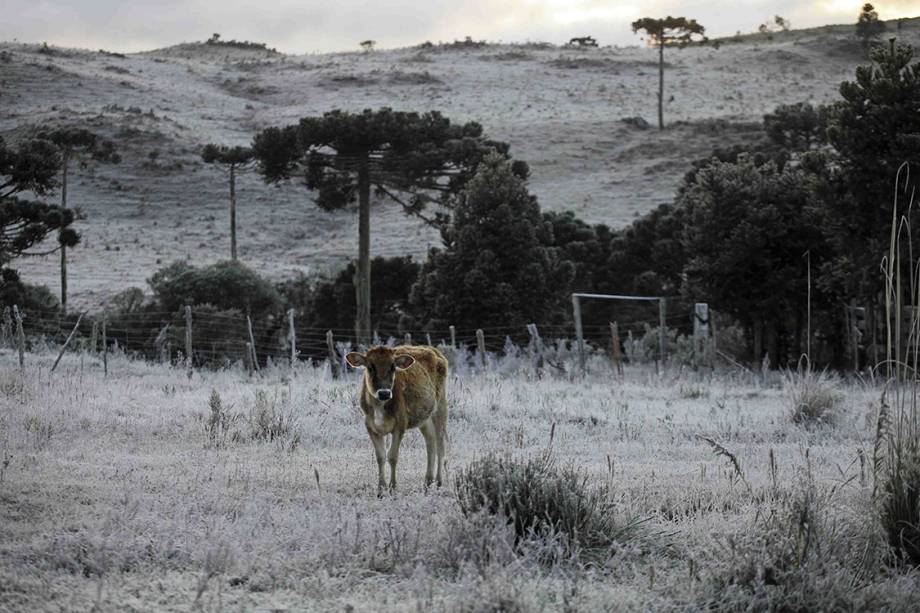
{"points": [[333, 359], [6, 329], [536, 344], [20, 339], [428, 338], [663, 330], [700, 332], [252, 345], [453, 337], [248, 358], [160, 343], [407, 339], [579, 333], [105, 344], [188, 340], [615, 354], [481, 347], [293, 338], [94, 337], [67, 342]]}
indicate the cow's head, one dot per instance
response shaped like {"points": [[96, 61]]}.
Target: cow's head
{"points": [[380, 364]]}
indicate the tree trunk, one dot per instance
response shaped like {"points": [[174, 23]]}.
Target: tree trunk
{"points": [[661, 85], [233, 212], [758, 342], [66, 163], [363, 273]]}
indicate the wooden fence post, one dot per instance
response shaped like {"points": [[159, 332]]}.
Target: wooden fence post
{"points": [[293, 338], [105, 344], [188, 340], [247, 359], [663, 331], [252, 345], [453, 337], [616, 355], [700, 333], [6, 329], [94, 338], [407, 339], [20, 339], [579, 333], [481, 347], [160, 343], [428, 339], [333, 359], [536, 345], [67, 342]]}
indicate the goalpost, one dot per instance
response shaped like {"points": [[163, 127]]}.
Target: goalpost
{"points": [[579, 333]]}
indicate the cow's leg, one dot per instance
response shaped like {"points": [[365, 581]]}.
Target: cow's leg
{"points": [[440, 426], [380, 453], [431, 447], [393, 455]]}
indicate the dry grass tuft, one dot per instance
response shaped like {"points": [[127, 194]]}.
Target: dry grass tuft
{"points": [[814, 398]]}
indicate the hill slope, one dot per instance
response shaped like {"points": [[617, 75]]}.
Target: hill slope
{"points": [[560, 108]]}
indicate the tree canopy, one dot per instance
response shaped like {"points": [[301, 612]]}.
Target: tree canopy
{"points": [[495, 268]]}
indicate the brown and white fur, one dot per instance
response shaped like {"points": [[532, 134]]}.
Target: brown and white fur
{"points": [[404, 387]]}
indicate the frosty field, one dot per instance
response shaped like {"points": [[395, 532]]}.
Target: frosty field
{"points": [[114, 497]]}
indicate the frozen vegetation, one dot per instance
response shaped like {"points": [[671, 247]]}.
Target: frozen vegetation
{"points": [[681, 491]]}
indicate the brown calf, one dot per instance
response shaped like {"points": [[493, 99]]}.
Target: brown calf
{"points": [[404, 387]]}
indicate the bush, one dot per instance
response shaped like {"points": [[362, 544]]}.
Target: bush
{"points": [[269, 422], [800, 554], [539, 500], [29, 298], [813, 397], [896, 462], [225, 285]]}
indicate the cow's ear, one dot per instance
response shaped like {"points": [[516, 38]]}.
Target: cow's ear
{"points": [[355, 359], [403, 361]]}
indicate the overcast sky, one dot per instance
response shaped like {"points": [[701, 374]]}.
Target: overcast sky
{"points": [[297, 26]]}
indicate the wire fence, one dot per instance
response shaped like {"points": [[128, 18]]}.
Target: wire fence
{"points": [[202, 337]]}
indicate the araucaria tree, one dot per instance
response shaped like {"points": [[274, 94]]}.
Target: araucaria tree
{"points": [[75, 142], [233, 160], [868, 26], [31, 166], [495, 269], [410, 158], [667, 31]]}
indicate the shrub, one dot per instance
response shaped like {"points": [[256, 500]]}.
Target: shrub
{"points": [[29, 298], [539, 499], [269, 422], [896, 462], [813, 397], [219, 421], [225, 285], [800, 554]]}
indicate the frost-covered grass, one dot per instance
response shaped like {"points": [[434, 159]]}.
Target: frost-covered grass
{"points": [[119, 493]]}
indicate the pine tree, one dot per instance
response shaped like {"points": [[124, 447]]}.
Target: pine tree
{"points": [[868, 26], [667, 31], [75, 142], [234, 160], [411, 159], [874, 130], [495, 269]]}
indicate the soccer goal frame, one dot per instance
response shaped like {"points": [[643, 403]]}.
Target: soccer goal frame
{"points": [[579, 332]]}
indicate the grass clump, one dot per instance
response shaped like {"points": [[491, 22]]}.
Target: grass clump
{"points": [[540, 501], [801, 553], [814, 398], [896, 465], [219, 422], [272, 422]]}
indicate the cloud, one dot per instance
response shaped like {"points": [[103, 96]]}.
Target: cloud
{"points": [[314, 25]]}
